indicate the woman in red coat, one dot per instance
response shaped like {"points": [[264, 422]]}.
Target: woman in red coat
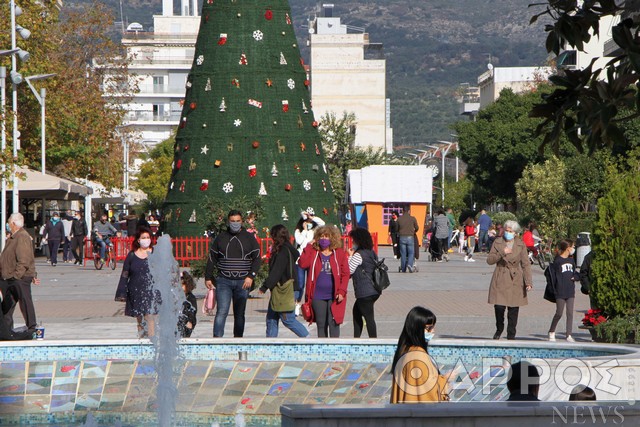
{"points": [[327, 279]]}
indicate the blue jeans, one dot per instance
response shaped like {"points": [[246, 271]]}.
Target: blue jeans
{"points": [[483, 240], [102, 243], [407, 254], [302, 280], [288, 319], [226, 291]]}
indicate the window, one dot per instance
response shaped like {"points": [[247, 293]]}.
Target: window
{"points": [[387, 209]]}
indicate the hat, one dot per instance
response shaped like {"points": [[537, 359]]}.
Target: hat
{"points": [[310, 211], [55, 214]]}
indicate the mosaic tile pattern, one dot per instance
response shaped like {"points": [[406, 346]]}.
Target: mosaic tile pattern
{"points": [[58, 380]]}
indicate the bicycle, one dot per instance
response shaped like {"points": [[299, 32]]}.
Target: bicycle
{"points": [[109, 256], [540, 255]]}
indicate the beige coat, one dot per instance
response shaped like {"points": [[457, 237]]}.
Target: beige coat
{"points": [[512, 274]]}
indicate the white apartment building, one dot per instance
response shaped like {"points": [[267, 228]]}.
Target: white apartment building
{"points": [[518, 79], [574, 59], [348, 73], [161, 61]]}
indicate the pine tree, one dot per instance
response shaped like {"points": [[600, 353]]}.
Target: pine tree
{"points": [[247, 127]]}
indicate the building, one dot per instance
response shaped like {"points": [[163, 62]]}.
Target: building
{"points": [[161, 60], [518, 79], [348, 73], [574, 59]]}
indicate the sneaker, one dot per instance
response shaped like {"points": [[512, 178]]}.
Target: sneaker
{"points": [[466, 258], [438, 260], [552, 336], [414, 269], [446, 258], [471, 260], [570, 339], [399, 269]]}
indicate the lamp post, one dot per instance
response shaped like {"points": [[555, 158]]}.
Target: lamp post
{"points": [[41, 99], [16, 79], [3, 197]]}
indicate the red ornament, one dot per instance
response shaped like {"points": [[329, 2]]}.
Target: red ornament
{"points": [[183, 123], [268, 15], [182, 187], [285, 108], [315, 124], [222, 39], [179, 164], [235, 82], [204, 186], [192, 105], [253, 171], [307, 83], [287, 18], [186, 147], [206, 18], [325, 211], [243, 59], [288, 187], [255, 144], [301, 61]]}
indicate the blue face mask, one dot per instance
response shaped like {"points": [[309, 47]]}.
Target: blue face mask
{"points": [[508, 235], [428, 336], [6, 227]]}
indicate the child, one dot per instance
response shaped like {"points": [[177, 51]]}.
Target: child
{"points": [[187, 320], [461, 240]]}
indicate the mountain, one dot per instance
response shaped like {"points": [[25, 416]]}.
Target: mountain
{"points": [[431, 46]]}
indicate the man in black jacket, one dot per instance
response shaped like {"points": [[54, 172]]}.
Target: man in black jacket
{"points": [[235, 254], [79, 231]]}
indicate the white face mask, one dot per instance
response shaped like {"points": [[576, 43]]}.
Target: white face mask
{"points": [[145, 243], [572, 251]]}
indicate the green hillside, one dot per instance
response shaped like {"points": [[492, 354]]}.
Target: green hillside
{"points": [[431, 46]]}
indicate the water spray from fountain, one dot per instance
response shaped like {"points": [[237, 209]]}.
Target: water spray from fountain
{"points": [[166, 279]]}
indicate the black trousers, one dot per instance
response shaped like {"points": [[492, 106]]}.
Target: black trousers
{"points": [[363, 308], [512, 319], [25, 301], [77, 248]]}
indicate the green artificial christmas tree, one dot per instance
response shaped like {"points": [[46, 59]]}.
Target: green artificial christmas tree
{"points": [[247, 127]]}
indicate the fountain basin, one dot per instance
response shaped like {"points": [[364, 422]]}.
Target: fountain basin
{"points": [[60, 382]]}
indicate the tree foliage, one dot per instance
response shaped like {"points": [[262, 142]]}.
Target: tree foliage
{"points": [[589, 105], [456, 194], [81, 137], [542, 195], [341, 154], [155, 173], [500, 144], [586, 178], [616, 271]]}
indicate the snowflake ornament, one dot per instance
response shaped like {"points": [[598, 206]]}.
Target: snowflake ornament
{"points": [[227, 187], [291, 83], [200, 60], [258, 35], [306, 184], [237, 123]]}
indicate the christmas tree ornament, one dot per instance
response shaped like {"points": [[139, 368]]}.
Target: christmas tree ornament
{"points": [[306, 185], [307, 83], [243, 59], [223, 106], [192, 218], [192, 165], [222, 39], [317, 150], [325, 211], [287, 19], [183, 122], [178, 213], [168, 215], [302, 146], [283, 34], [274, 170], [255, 144], [296, 167], [199, 60], [230, 146], [171, 185], [179, 164], [315, 168], [281, 148], [255, 103], [239, 15], [324, 167], [253, 171], [275, 123], [204, 125], [237, 123], [269, 83], [324, 185], [187, 85], [294, 45], [227, 187], [206, 18], [283, 61], [236, 83], [204, 185], [315, 124], [304, 107], [182, 186], [285, 105], [263, 190], [186, 148], [300, 123], [291, 84], [284, 215], [217, 163], [268, 15], [258, 35], [288, 187], [310, 211], [207, 87], [192, 105], [204, 150]]}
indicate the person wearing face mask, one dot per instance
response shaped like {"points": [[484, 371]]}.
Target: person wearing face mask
{"points": [[136, 288], [79, 231], [54, 232], [235, 256], [564, 278], [362, 263], [303, 235], [416, 377], [327, 281], [103, 230], [511, 278]]}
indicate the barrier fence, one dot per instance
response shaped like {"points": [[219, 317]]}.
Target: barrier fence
{"points": [[187, 249]]}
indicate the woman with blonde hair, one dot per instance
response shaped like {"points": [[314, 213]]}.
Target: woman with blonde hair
{"points": [[327, 279]]}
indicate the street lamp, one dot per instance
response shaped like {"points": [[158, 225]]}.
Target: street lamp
{"points": [[41, 99], [16, 79]]}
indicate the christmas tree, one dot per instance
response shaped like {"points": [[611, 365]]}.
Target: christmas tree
{"points": [[247, 127]]}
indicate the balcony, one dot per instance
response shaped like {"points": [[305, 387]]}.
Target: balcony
{"points": [[150, 116], [151, 89]]}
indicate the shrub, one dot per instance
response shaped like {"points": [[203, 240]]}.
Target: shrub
{"points": [[579, 222], [501, 217], [623, 329]]}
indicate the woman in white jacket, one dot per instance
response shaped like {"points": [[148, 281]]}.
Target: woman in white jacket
{"points": [[303, 235]]}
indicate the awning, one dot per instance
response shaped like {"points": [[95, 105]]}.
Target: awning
{"points": [[35, 185]]}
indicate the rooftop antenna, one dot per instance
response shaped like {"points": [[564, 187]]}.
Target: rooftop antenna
{"points": [[121, 18]]}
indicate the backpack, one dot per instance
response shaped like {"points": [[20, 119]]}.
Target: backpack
{"points": [[380, 275], [550, 289]]}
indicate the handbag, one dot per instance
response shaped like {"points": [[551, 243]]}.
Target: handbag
{"points": [[209, 303], [307, 311], [549, 289], [282, 297]]}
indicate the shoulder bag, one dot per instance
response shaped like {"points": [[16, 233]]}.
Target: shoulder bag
{"points": [[282, 297]]}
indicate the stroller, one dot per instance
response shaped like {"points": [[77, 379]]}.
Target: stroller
{"points": [[430, 245]]}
